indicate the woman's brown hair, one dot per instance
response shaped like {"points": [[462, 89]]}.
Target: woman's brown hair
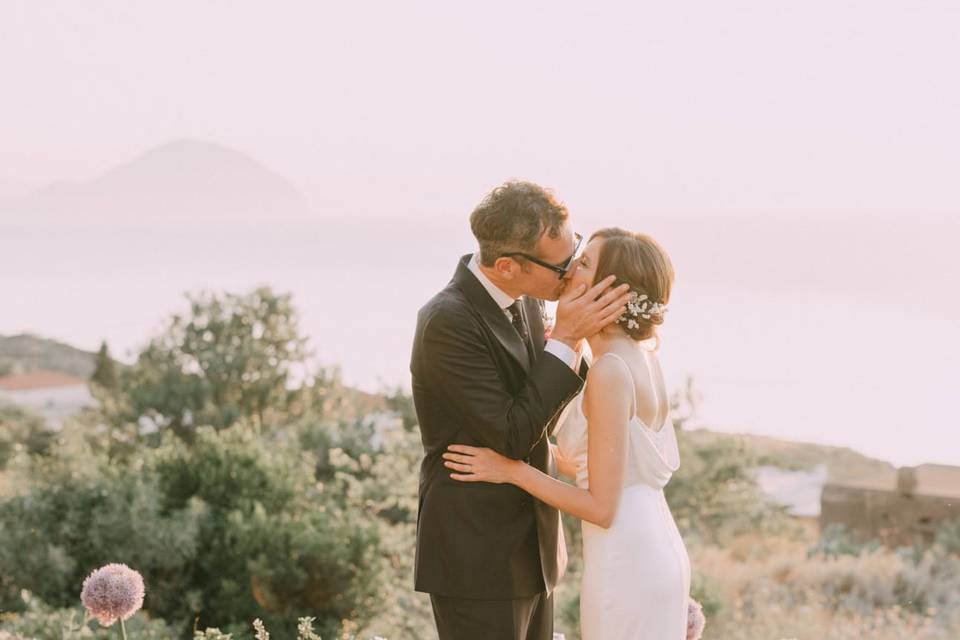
{"points": [[638, 260]]}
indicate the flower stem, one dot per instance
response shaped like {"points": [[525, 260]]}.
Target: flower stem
{"points": [[123, 630]]}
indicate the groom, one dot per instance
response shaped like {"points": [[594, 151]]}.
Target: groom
{"points": [[490, 555]]}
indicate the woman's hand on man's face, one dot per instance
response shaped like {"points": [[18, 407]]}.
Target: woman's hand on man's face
{"points": [[582, 311]]}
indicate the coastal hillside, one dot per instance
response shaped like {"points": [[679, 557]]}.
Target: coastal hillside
{"points": [[29, 352], [843, 464]]}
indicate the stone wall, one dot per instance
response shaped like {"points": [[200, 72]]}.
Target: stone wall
{"points": [[895, 517]]}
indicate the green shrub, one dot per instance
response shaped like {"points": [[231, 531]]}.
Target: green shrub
{"points": [[228, 529], [38, 620], [836, 541], [22, 430], [948, 537], [75, 512], [713, 495], [230, 358]]}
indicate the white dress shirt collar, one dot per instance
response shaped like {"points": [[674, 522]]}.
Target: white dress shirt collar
{"points": [[502, 299]]}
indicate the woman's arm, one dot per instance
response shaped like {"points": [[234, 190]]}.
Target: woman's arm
{"points": [[606, 401]]}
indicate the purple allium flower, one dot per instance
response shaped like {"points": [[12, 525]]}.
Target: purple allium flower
{"points": [[696, 621], [112, 592]]}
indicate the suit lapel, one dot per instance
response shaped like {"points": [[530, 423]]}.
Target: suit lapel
{"points": [[492, 315]]}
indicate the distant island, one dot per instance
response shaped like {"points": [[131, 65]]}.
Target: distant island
{"points": [[171, 183]]}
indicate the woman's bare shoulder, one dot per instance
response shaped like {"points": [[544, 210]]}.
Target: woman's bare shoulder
{"points": [[609, 384]]}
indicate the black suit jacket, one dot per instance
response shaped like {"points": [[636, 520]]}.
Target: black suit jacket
{"points": [[475, 383]]}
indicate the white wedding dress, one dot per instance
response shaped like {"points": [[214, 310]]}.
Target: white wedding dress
{"points": [[636, 574]]}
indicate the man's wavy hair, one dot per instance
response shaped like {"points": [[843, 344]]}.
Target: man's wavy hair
{"points": [[513, 216]]}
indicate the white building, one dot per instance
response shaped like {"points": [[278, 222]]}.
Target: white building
{"points": [[52, 394], [798, 491]]}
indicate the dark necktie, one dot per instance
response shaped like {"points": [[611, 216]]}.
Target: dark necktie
{"points": [[516, 318]]}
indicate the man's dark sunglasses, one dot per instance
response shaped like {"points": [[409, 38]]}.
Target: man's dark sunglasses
{"points": [[559, 269]]}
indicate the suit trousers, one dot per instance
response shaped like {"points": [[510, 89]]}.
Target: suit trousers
{"points": [[529, 618]]}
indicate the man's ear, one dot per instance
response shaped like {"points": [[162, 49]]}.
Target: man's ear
{"points": [[506, 267]]}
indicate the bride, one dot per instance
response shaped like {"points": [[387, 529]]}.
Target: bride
{"points": [[618, 443]]}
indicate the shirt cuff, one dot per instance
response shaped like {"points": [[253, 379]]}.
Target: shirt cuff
{"points": [[561, 351]]}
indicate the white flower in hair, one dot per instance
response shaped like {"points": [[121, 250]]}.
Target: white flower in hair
{"points": [[640, 306]]}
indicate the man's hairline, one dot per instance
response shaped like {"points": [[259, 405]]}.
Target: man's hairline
{"points": [[534, 252]]}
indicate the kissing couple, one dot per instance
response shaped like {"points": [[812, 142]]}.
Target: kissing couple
{"points": [[491, 390]]}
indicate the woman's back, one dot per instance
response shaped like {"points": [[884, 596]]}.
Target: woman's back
{"points": [[636, 577], [651, 454], [651, 404]]}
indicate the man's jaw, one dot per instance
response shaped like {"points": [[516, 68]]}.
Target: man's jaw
{"points": [[556, 293]]}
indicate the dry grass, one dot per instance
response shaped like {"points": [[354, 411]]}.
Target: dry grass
{"points": [[770, 589]]}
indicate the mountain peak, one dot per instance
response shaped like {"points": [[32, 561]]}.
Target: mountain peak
{"points": [[182, 179], [190, 153]]}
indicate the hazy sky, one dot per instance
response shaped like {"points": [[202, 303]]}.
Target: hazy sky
{"points": [[817, 141], [415, 107]]}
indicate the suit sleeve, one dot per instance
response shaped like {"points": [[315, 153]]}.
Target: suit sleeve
{"points": [[464, 375]]}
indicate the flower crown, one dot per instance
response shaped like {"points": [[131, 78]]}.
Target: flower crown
{"points": [[640, 306]]}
